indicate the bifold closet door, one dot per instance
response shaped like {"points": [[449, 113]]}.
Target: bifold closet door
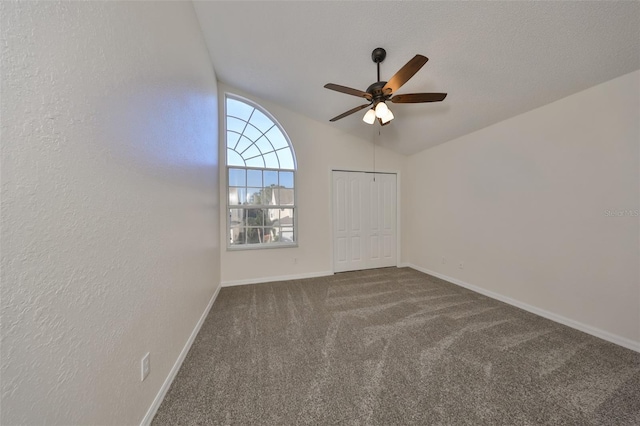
{"points": [[364, 220]]}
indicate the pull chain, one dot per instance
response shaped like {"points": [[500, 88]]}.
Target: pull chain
{"points": [[374, 154]]}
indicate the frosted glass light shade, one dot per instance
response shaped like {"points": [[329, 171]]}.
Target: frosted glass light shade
{"points": [[387, 117], [369, 117], [381, 109]]}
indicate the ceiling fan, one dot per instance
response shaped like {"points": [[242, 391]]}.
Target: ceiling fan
{"points": [[381, 91]]}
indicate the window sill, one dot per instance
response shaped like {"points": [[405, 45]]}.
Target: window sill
{"points": [[243, 247]]}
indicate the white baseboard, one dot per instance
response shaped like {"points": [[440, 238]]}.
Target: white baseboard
{"points": [[272, 279], [146, 421], [605, 335]]}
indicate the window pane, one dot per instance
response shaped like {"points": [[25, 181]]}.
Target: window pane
{"points": [[286, 159], [275, 234], [276, 138], [255, 235], [236, 217], [264, 145], [254, 195], [250, 152], [255, 162], [268, 196], [242, 145], [238, 109], [270, 178], [255, 217], [270, 235], [274, 217], [286, 179], [254, 178], [236, 230], [252, 133], [234, 159], [275, 196], [271, 160], [236, 235], [286, 217], [235, 125], [286, 234], [237, 196], [261, 121], [266, 234], [232, 139], [285, 197], [237, 177]]}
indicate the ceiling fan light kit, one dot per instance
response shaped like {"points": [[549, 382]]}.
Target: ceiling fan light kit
{"points": [[381, 91]]}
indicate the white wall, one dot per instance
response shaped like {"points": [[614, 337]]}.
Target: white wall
{"points": [[524, 203], [319, 148], [110, 244]]}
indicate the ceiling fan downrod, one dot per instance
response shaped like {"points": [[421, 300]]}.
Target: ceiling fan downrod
{"points": [[378, 56]]}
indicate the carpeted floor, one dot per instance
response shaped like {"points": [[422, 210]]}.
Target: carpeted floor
{"points": [[394, 347]]}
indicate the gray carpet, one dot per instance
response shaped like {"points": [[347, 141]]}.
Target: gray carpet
{"points": [[394, 347]]}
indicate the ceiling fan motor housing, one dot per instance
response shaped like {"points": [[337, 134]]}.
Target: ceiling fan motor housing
{"points": [[376, 91]]}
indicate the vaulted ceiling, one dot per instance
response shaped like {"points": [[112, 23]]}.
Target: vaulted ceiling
{"points": [[494, 59]]}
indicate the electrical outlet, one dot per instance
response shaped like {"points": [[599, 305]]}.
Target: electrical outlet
{"points": [[444, 260], [461, 265], [295, 260], [145, 366]]}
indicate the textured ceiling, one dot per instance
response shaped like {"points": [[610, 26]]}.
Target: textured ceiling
{"points": [[495, 59]]}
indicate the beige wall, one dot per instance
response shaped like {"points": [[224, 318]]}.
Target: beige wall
{"points": [[526, 204], [110, 244], [319, 148]]}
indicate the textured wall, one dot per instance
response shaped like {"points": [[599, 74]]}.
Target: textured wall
{"points": [[541, 208], [110, 244]]}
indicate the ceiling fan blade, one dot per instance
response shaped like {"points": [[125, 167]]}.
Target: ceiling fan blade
{"points": [[404, 74], [348, 90], [351, 111], [414, 98]]}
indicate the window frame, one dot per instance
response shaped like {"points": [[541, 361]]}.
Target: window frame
{"points": [[229, 207]]}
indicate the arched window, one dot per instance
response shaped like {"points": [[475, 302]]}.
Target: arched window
{"points": [[261, 168]]}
